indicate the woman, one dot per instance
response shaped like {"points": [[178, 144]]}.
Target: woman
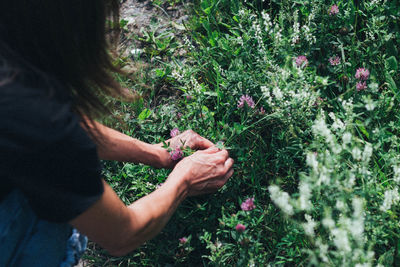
{"points": [[54, 76]]}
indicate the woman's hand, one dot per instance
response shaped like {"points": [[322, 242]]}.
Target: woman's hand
{"points": [[205, 171], [191, 139], [120, 229], [188, 138]]}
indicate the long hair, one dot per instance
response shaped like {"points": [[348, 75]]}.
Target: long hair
{"points": [[67, 41]]}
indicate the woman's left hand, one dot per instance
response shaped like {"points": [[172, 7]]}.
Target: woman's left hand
{"points": [[188, 138]]}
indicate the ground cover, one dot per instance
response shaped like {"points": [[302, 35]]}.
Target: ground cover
{"points": [[305, 95]]}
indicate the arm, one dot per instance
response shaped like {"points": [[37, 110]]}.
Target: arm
{"points": [[120, 229], [115, 145]]}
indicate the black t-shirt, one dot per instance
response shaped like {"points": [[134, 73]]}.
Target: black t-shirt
{"points": [[45, 153]]}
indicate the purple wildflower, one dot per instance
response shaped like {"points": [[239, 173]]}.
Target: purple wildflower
{"points": [[248, 204], [261, 111], [334, 61], [183, 240], [176, 154], [246, 99], [240, 228], [174, 132], [301, 61], [179, 115], [362, 74], [361, 86], [334, 10]]}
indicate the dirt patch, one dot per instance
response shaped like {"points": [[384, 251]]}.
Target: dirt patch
{"points": [[140, 16]]}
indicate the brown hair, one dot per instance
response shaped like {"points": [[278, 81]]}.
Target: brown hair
{"points": [[65, 40]]}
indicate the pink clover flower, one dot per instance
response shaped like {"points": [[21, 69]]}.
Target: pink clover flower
{"points": [[240, 228], [248, 204]]}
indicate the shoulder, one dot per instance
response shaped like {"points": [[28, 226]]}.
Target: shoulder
{"points": [[34, 115]]}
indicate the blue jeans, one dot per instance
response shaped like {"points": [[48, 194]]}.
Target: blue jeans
{"points": [[26, 240]]}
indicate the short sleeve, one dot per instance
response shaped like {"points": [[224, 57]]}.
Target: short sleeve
{"points": [[48, 156]]}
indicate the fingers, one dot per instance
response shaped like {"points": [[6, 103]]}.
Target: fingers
{"points": [[197, 141], [229, 174], [227, 170], [213, 187], [229, 163], [224, 153], [214, 149], [211, 150], [203, 143], [212, 168]]}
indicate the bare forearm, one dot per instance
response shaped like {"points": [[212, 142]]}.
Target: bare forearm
{"points": [[151, 213], [114, 145], [120, 229]]}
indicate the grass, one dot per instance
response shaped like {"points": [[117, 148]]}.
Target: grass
{"points": [[231, 49]]}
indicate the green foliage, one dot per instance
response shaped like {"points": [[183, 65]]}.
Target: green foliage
{"points": [[319, 155]]}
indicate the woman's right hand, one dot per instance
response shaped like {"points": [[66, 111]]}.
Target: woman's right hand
{"points": [[120, 229], [205, 171]]}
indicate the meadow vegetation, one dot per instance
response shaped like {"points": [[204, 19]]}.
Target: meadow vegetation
{"points": [[305, 95]]}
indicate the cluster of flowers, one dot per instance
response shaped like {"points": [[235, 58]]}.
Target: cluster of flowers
{"points": [[334, 10], [177, 153], [245, 99], [362, 75], [248, 100], [334, 61], [301, 61], [340, 231], [174, 132], [247, 205]]}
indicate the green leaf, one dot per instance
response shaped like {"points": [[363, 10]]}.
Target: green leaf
{"points": [[387, 258], [237, 51], [123, 23], [207, 10], [207, 27], [391, 48], [178, 26], [362, 128], [210, 93], [144, 114], [391, 64], [391, 83], [160, 73]]}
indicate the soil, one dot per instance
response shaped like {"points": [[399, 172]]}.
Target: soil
{"points": [[143, 15]]}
